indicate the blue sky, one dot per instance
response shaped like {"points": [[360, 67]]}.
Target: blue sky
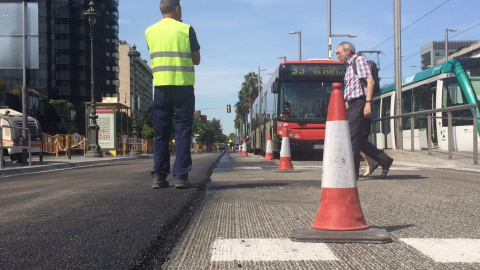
{"points": [[239, 36]]}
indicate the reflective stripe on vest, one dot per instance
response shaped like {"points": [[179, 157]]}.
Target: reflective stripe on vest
{"points": [[170, 53]]}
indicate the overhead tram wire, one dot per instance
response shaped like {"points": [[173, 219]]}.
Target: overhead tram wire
{"points": [[413, 22], [459, 33], [415, 54]]}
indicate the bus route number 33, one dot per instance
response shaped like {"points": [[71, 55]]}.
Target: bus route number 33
{"points": [[298, 70]]}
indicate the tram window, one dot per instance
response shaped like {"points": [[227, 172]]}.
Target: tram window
{"points": [[474, 76], [453, 96], [432, 96], [406, 108], [420, 103], [386, 112], [376, 113]]}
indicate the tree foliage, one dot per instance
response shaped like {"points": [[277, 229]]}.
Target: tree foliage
{"points": [[246, 97], [210, 132]]}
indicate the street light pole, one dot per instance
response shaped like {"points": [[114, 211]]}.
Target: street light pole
{"points": [[260, 94], [329, 17], [260, 112], [133, 54], [93, 149], [329, 7], [299, 43], [282, 57], [446, 41]]}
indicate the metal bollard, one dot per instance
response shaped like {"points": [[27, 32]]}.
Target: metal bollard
{"points": [[69, 147]]}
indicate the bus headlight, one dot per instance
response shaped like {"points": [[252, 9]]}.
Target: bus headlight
{"points": [[296, 135], [280, 131], [290, 133]]}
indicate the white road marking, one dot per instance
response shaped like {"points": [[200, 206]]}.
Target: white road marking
{"points": [[247, 168], [256, 249], [309, 167], [447, 250]]}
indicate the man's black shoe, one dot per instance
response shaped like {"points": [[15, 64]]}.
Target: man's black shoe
{"points": [[385, 170], [159, 181]]}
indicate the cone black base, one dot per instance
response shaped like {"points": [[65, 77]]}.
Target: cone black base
{"points": [[371, 235]]}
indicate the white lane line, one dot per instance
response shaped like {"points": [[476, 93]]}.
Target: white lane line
{"points": [[247, 168], [256, 249], [309, 167], [447, 250], [403, 168]]}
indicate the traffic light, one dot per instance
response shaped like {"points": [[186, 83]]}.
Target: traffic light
{"points": [[229, 108]]}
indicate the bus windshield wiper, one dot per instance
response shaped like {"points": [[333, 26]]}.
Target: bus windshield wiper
{"points": [[304, 117]]}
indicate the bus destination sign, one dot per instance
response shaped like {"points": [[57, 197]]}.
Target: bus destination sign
{"points": [[312, 70]]}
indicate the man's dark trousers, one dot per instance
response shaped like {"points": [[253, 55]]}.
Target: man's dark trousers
{"points": [[359, 131], [173, 105]]}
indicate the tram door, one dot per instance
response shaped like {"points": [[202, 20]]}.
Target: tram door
{"points": [[424, 99], [452, 95], [432, 93]]}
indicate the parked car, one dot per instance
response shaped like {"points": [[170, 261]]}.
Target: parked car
{"points": [[221, 146]]}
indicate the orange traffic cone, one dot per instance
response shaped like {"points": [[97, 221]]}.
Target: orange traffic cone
{"points": [[285, 158], [244, 148], [340, 217], [269, 150]]}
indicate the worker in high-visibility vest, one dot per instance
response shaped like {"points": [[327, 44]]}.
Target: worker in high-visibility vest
{"points": [[174, 50], [230, 144]]}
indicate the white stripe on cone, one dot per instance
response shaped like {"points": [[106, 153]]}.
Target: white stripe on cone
{"points": [[338, 157], [244, 148], [285, 158], [269, 150]]}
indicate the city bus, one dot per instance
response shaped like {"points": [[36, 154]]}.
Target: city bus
{"points": [[452, 83], [296, 94]]}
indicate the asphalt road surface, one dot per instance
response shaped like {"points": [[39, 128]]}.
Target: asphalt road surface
{"points": [[101, 217]]}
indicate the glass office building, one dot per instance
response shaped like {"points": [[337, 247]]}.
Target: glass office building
{"points": [[64, 52]]}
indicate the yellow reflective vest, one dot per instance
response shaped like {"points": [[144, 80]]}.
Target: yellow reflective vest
{"points": [[170, 53]]}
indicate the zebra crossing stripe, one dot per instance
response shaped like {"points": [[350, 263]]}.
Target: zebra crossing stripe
{"points": [[447, 250], [257, 249]]}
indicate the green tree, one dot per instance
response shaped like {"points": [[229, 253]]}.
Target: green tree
{"points": [[148, 132], [210, 132], [246, 97]]}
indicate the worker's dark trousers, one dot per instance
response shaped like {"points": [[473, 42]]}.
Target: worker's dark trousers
{"points": [[173, 105]]}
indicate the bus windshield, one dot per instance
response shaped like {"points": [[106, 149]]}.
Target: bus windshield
{"points": [[304, 101]]}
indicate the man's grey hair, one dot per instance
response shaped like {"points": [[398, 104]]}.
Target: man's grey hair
{"points": [[347, 46], [168, 6]]}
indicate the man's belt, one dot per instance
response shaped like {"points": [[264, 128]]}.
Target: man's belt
{"points": [[351, 101]]}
